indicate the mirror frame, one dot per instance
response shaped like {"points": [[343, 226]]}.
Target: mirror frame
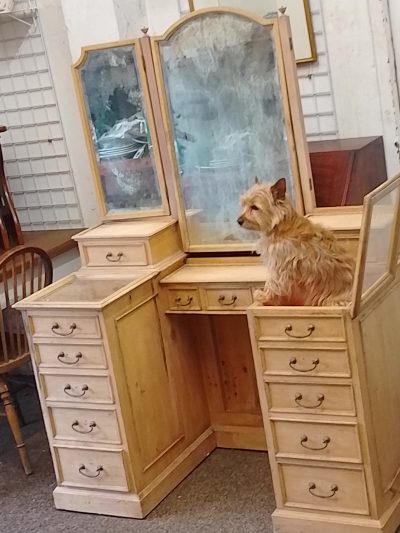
{"points": [[158, 166]]}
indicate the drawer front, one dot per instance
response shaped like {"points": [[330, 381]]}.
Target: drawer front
{"points": [[184, 300], [65, 327], [85, 425], [91, 469], [333, 489], [77, 388], [70, 355], [310, 398], [328, 442], [227, 299], [308, 361], [304, 328], [132, 254]]}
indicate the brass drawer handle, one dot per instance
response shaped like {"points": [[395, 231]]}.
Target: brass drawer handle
{"points": [[99, 469], [221, 300], [298, 397], [56, 326], [312, 486], [179, 302], [110, 257], [289, 329], [68, 388], [75, 425], [293, 361], [325, 440], [61, 356]]}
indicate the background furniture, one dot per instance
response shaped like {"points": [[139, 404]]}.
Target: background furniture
{"points": [[10, 229], [23, 271], [345, 170]]}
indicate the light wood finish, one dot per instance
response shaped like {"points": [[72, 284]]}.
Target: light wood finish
{"points": [[94, 426], [71, 355], [222, 299], [184, 299], [350, 497], [76, 388], [307, 328], [65, 326]]}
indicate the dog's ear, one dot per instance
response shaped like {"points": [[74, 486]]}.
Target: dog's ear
{"points": [[278, 189], [256, 180]]}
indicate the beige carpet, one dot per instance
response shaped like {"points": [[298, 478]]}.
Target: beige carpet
{"points": [[229, 492]]}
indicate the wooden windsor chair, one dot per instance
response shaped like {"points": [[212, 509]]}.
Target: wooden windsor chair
{"points": [[23, 271]]}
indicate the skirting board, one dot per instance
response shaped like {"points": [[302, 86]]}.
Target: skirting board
{"points": [[133, 505]]}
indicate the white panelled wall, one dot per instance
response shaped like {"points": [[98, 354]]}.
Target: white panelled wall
{"points": [[350, 91]]}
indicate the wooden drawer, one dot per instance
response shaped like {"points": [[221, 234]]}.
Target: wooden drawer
{"points": [[332, 489], [304, 328], [85, 425], [96, 469], [316, 440], [70, 355], [115, 254], [65, 327], [76, 388], [310, 398], [184, 300], [309, 360], [227, 299]]}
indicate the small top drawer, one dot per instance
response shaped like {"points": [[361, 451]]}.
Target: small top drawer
{"points": [[114, 254], [304, 328], [184, 300], [65, 327], [227, 299]]}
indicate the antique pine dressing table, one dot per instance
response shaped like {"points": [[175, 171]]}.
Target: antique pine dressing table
{"points": [[152, 354]]}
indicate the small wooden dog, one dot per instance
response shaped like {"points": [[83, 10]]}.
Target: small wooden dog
{"points": [[306, 264]]}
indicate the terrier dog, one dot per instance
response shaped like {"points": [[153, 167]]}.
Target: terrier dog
{"points": [[306, 265]]}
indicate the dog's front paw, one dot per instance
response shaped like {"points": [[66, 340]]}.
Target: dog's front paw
{"points": [[260, 297]]}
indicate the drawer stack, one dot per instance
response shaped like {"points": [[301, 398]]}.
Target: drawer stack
{"points": [[78, 400], [306, 393]]}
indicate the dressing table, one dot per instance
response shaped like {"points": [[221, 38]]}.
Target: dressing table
{"points": [[153, 353]]}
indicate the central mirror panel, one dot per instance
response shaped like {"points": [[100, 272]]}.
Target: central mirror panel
{"points": [[226, 111]]}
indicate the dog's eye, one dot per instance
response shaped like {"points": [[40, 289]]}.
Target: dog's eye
{"points": [[254, 208]]}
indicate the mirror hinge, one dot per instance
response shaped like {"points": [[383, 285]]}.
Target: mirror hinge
{"points": [[291, 43], [310, 183]]}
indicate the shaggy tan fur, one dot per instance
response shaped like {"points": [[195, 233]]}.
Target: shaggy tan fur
{"points": [[306, 265]]}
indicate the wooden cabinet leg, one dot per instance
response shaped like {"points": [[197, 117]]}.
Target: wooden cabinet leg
{"points": [[12, 418]]}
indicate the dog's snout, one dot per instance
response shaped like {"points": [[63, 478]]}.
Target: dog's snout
{"points": [[240, 221]]}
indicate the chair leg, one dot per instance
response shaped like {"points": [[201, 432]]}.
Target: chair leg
{"points": [[13, 422]]}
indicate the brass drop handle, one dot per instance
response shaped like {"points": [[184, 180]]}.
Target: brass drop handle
{"points": [[68, 388], [61, 356], [298, 397], [312, 486], [76, 424], [289, 329], [56, 326], [179, 302], [110, 257], [221, 300], [325, 441], [82, 469], [293, 362]]}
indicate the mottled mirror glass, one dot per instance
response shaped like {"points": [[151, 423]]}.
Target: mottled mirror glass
{"points": [[120, 132], [226, 113], [377, 262]]}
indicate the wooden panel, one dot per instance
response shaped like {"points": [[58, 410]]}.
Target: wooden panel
{"points": [[311, 398], [184, 299], [222, 299], [111, 477], [311, 440], [67, 326], [380, 340], [70, 355], [116, 254], [76, 388], [85, 425], [304, 328], [350, 496], [306, 360], [151, 393]]}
